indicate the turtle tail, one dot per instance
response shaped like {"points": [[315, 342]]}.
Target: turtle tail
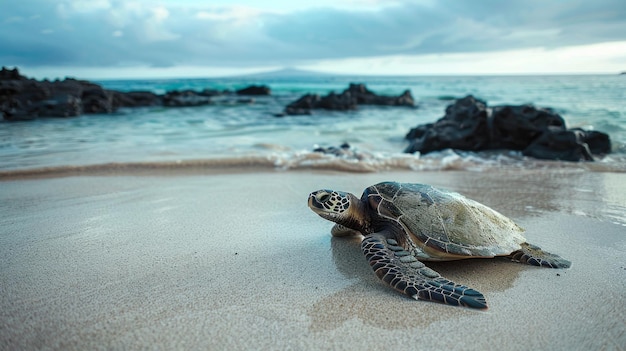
{"points": [[534, 255], [403, 272]]}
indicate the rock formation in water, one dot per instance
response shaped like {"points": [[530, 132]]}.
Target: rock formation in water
{"points": [[349, 99], [22, 98], [468, 124], [254, 90]]}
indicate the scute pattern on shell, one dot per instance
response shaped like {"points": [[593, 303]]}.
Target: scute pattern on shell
{"points": [[441, 224]]}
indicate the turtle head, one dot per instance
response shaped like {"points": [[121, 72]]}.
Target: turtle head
{"points": [[340, 207]]}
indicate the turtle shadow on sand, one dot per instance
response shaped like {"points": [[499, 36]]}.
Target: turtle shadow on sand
{"points": [[374, 304]]}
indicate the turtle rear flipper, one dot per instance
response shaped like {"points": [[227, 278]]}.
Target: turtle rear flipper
{"points": [[403, 272], [534, 255]]}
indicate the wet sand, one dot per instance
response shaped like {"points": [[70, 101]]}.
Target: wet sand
{"points": [[237, 261]]}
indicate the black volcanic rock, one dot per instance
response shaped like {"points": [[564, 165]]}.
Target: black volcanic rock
{"points": [[565, 145], [344, 151], [463, 127], [574, 144], [538, 132], [10, 74], [136, 99], [60, 105], [513, 127], [254, 90], [337, 102], [349, 99], [97, 100], [366, 97], [599, 143], [22, 98], [303, 105], [211, 92], [419, 131], [185, 98]]}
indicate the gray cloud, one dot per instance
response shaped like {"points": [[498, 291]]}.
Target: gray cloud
{"points": [[454, 26], [118, 33]]}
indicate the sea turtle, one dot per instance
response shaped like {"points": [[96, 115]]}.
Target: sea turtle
{"points": [[404, 224]]}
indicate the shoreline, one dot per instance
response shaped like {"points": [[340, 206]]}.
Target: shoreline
{"points": [[198, 260], [306, 162]]}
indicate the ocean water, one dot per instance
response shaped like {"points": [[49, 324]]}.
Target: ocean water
{"points": [[244, 133]]}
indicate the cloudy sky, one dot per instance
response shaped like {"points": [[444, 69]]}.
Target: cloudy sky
{"points": [[169, 38]]}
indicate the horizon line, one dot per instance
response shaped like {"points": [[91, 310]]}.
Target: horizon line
{"points": [[288, 72]]}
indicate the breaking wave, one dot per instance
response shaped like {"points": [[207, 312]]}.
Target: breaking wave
{"points": [[447, 160]]}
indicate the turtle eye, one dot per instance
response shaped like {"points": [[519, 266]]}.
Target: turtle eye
{"points": [[323, 197]]}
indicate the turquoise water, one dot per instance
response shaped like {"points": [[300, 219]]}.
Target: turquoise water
{"points": [[241, 131]]}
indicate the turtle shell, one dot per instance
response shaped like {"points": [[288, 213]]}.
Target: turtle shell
{"points": [[443, 225]]}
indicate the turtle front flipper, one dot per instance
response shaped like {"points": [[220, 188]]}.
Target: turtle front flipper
{"points": [[339, 230], [534, 255], [403, 272]]}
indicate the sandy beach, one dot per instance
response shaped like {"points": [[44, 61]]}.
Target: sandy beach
{"points": [[236, 260]]}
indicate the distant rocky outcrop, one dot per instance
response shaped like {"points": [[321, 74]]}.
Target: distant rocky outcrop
{"points": [[185, 98], [349, 99], [136, 99], [22, 98], [366, 97], [305, 104], [469, 124], [254, 90]]}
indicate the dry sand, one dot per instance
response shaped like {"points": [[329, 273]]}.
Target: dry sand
{"points": [[238, 261]]}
